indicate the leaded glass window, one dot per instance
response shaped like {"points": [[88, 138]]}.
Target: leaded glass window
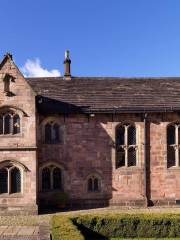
{"points": [[10, 179], [173, 145], [90, 185], [131, 156], [1, 124], [16, 124], [120, 157], [57, 178], [126, 148], [96, 184], [120, 135], [48, 133], [46, 179], [131, 135], [53, 133], [93, 184], [3, 180], [9, 123], [15, 180], [51, 178]]}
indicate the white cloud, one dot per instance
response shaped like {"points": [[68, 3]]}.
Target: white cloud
{"points": [[33, 68]]}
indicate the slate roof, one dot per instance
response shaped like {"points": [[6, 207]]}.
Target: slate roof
{"points": [[98, 94]]}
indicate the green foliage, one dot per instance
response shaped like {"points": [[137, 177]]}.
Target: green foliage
{"points": [[131, 226], [118, 226], [64, 229]]}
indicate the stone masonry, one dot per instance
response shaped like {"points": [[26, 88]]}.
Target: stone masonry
{"points": [[87, 147]]}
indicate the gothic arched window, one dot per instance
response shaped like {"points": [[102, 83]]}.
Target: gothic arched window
{"points": [[10, 179], [53, 133], [51, 178], [93, 184], [126, 146], [9, 123]]}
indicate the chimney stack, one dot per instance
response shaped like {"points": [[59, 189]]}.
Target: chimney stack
{"points": [[67, 65]]}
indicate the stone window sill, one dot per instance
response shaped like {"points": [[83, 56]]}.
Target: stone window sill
{"points": [[11, 135], [174, 168], [132, 168], [12, 195]]}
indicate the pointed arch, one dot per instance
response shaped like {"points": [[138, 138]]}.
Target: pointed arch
{"points": [[93, 183], [51, 177]]}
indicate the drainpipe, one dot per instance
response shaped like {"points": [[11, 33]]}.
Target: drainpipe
{"points": [[145, 158]]}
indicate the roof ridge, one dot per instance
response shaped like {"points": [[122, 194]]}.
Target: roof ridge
{"points": [[101, 77]]}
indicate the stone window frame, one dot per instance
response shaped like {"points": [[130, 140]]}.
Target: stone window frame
{"points": [[12, 111], [53, 120], [136, 146], [51, 166], [94, 176], [9, 165], [175, 145]]}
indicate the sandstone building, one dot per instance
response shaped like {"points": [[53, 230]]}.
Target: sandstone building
{"points": [[104, 141]]}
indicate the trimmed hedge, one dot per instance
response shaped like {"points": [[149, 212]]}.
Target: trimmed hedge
{"points": [[131, 226], [116, 226], [64, 229]]}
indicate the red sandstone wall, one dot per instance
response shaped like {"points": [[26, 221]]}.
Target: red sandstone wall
{"points": [[20, 148], [88, 147], [164, 182]]}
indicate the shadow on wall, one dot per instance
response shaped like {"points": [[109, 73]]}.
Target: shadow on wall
{"points": [[86, 154]]}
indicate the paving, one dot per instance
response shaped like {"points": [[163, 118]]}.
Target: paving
{"points": [[25, 232]]}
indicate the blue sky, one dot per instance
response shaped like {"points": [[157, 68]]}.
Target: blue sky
{"points": [[105, 37]]}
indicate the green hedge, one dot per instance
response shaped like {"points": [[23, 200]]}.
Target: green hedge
{"points": [[115, 226], [130, 226], [64, 229]]}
